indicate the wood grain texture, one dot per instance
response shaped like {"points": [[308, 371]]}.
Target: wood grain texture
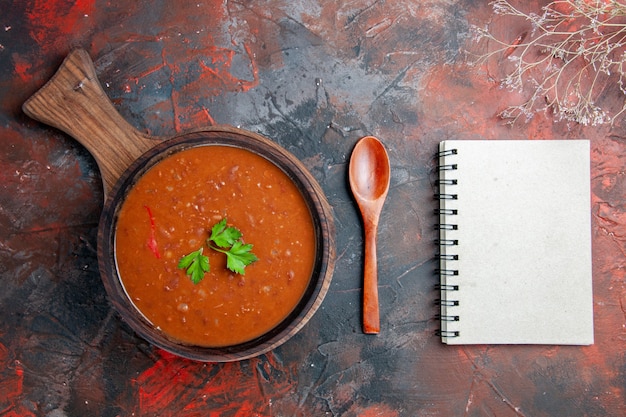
{"points": [[319, 207], [369, 180], [74, 102], [314, 77]]}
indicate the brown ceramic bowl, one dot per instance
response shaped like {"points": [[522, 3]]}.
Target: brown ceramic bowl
{"points": [[74, 102], [320, 276]]}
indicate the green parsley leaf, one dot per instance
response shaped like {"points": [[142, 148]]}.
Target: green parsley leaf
{"points": [[196, 265], [239, 256], [224, 237], [228, 241]]}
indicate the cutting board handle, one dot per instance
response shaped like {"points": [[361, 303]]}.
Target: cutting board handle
{"points": [[74, 102]]}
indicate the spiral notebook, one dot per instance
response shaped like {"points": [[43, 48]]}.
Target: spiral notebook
{"points": [[515, 242]]}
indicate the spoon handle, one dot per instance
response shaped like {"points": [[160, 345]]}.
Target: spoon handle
{"points": [[371, 315]]}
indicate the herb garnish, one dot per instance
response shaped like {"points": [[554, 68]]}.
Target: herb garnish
{"points": [[196, 265], [226, 240]]}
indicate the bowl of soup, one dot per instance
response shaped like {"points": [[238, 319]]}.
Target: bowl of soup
{"points": [[216, 245], [168, 205]]}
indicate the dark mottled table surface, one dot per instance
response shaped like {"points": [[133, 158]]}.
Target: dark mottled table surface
{"points": [[314, 76]]}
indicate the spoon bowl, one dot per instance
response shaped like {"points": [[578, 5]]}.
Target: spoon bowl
{"points": [[369, 170], [369, 175]]}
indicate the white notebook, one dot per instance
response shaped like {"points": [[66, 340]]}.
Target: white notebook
{"points": [[515, 242]]}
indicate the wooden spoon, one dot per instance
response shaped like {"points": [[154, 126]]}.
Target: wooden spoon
{"points": [[369, 180]]}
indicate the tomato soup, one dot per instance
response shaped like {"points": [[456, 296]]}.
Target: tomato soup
{"points": [[169, 213]]}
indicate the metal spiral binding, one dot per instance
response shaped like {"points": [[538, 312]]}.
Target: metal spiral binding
{"points": [[449, 167], [445, 226], [448, 303], [446, 272], [445, 243], [446, 333], [447, 152], [447, 318], [446, 287], [446, 196], [449, 212]]}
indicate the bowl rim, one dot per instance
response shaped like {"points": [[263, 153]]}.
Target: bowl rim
{"points": [[321, 213]]}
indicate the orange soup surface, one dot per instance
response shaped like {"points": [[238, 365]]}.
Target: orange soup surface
{"points": [[170, 212]]}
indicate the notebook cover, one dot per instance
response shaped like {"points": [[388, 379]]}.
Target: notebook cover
{"points": [[524, 242]]}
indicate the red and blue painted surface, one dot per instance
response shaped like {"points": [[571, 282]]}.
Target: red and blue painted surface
{"points": [[314, 76]]}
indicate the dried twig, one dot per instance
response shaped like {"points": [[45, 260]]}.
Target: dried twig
{"points": [[573, 47]]}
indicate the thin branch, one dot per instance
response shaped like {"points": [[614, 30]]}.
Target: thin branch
{"points": [[572, 47]]}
